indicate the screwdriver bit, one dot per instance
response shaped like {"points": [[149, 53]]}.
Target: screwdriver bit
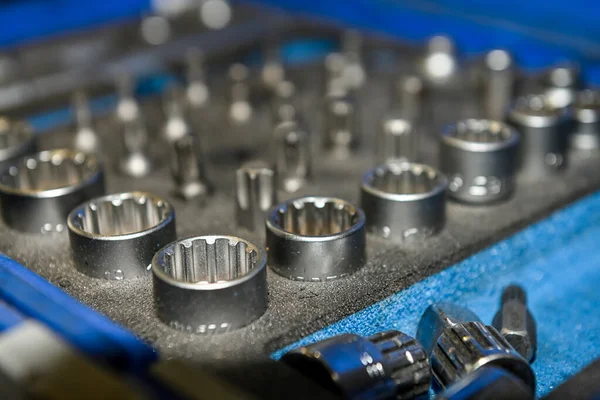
{"points": [[176, 124], [135, 159], [515, 323], [459, 343], [255, 194], [498, 84], [197, 92], [240, 109], [340, 123], [86, 137], [397, 140], [387, 365], [188, 169], [292, 155]]}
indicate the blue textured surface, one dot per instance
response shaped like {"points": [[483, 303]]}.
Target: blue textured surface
{"points": [[556, 260], [90, 332]]}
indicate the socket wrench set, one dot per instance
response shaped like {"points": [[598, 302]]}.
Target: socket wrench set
{"points": [[243, 196]]}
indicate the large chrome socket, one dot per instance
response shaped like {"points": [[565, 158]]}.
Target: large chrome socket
{"points": [[39, 191], [115, 237], [479, 157], [209, 284], [404, 201], [544, 131], [315, 238]]}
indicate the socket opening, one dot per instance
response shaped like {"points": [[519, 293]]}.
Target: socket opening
{"points": [[208, 259], [315, 216], [121, 214], [52, 169], [481, 131], [404, 178]]}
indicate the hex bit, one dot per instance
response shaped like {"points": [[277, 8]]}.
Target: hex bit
{"points": [[515, 322]]}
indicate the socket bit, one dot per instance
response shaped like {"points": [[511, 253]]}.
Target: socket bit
{"points": [[292, 156], [479, 156], [515, 323], [544, 133], [397, 140], [561, 84], [188, 169], [586, 114], [387, 365], [340, 124], [128, 109], [176, 123], [498, 84], [86, 137], [488, 383], [240, 109], [197, 91], [255, 194], [458, 344]]}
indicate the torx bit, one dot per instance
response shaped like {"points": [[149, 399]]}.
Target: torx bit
{"points": [[240, 109], [397, 139], [459, 344], [86, 137], [498, 84], [197, 92], [284, 107], [188, 169], [515, 322], [176, 125], [292, 155], [340, 123], [387, 365], [255, 194], [409, 93]]}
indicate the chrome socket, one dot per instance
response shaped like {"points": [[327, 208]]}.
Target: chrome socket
{"points": [[114, 237], [209, 284], [404, 201], [17, 139], [586, 113], [544, 133], [315, 239], [37, 192], [479, 157]]}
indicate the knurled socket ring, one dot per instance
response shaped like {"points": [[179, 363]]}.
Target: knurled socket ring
{"points": [[404, 201], [115, 237], [544, 131], [209, 284], [479, 157], [17, 139], [315, 238], [38, 191]]}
